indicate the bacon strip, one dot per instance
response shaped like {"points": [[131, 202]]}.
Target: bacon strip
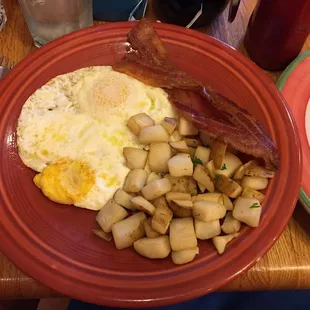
{"points": [[209, 111]]}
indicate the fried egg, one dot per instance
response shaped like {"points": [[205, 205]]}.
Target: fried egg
{"points": [[72, 131]]}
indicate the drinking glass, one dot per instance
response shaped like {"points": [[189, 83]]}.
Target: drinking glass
{"points": [[2, 16], [50, 19]]}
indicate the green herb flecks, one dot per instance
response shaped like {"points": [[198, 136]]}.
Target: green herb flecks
{"points": [[197, 161], [254, 205], [224, 167], [218, 177]]}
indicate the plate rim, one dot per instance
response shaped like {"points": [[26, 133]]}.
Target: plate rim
{"points": [[303, 197], [258, 255]]}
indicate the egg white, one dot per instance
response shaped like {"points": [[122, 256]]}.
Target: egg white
{"points": [[82, 116]]}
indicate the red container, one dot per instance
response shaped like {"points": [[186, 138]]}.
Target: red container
{"points": [[277, 31]]}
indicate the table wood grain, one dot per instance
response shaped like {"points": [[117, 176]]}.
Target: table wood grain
{"points": [[285, 266]]}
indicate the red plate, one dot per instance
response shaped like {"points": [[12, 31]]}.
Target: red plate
{"points": [[54, 243], [295, 86]]}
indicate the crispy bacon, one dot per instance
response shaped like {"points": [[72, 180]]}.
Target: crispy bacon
{"points": [[210, 112]]}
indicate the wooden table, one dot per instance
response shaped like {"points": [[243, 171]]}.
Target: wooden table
{"points": [[285, 266]]}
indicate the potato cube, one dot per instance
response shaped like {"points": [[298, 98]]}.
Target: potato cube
{"points": [[207, 211], [152, 177], [179, 184], [150, 232], [256, 183], [175, 136], [180, 146], [139, 121], [110, 214], [227, 186], [201, 176], [186, 128], [162, 217], [203, 153], [248, 211], [140, 203], [156, 189], [153, 248], [135, 158], [127, 231], [182, 234], [218, 153], [181, 165], [135, 181], [123, 199], [169, 124], [220, 242], [159, 155], [207, 230], [230, 225], [152, 134], [184, 256]]}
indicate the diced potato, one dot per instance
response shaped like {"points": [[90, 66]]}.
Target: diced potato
{"points": [[213, 197], [139, 121], [140, 203], [184, 256], [230, 164], [159, 155], [179, 184], [206, 139], [208, 211], [123, 199], [192, 152], [180, 146], [154, 248], [227, 186], [177, 210], [258, 171], [110, 214], [177, 196], [135, 180], [202, 177], [175, 136], [227, 202], [201, 188], [211, 169], [150, 232], [162, 217], [207, 230], [187, 204], [192, 142], [169, 124], [135, 158], [220, 242], [203, 153], [152, 134], [186, 128], [248, 211], [182, 234], [218, 153], [192, 186], [240, 172], [152, 177], [180, 165], [256, 183], [102, 235], [230, 225], [156, 189], [160, 202], [127, 231], [252, 193]]}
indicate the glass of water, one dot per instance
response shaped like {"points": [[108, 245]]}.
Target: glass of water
{"points": [[50, 19], [2, 16]]}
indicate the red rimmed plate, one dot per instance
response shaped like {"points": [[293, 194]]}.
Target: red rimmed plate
{"points": [[54, 243], [295, 86]]}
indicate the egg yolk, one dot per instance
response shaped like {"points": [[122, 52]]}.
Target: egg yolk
{"points": [[65, 182]]}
